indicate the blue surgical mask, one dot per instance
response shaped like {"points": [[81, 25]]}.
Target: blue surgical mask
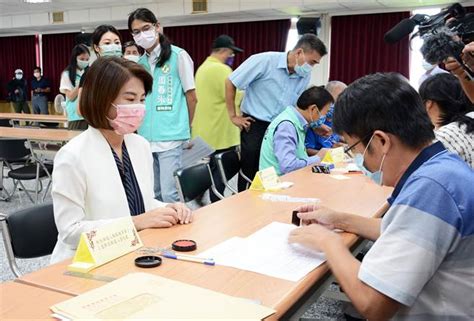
{"points": [[330, 113], [230, 61], [359, 161], [319, 122], [112, 49], [303, 70]]}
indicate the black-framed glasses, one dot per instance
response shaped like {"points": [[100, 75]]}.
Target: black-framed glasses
{"points": [[143, 29], [348, 150]]}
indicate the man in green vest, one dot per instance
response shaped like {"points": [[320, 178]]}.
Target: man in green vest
{"points": [[283, 144]]}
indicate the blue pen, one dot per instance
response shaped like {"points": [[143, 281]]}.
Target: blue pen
{"points": [[188, 258]]}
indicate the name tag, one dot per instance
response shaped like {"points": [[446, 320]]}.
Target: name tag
{"points": [[105, 244]]}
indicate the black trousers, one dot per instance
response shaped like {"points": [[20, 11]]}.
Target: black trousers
{"points": [[250, 144], [216, 175]]}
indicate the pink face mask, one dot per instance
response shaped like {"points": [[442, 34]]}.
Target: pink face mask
{"points": [[129, 118]]}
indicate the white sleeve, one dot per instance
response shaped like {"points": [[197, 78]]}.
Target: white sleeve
{"points": [[68, 193], [186, 71], [65, 83]]}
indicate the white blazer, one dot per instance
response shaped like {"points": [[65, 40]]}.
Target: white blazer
{"points": [[87, 189]]}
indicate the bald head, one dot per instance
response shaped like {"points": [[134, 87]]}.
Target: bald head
{"points": [[335, 88]]}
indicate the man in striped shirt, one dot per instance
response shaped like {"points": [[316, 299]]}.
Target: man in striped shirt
{"points": [[421, 266]]}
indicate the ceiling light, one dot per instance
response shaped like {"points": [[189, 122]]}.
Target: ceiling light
{"points": [[36, 1]]}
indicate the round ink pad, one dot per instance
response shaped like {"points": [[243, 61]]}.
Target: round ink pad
{"points": [[184, 245], [148, 261]]}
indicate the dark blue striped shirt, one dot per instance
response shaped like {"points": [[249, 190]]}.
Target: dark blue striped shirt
{"points": [[129, 181]]}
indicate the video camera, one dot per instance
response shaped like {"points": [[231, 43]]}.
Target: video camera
{"points": [[444, 35]]}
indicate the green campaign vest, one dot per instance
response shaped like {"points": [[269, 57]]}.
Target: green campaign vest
{"points": [[166, 117], [71, 105], [267, 155]]}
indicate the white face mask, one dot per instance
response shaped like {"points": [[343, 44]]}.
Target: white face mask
{"points": [[427, 66], [19, 76], [146, 39], [111, 50], [36, 74], [132, 58], [82, 64]]}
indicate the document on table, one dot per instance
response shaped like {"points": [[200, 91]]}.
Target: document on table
{"points": [[140, 296], [198, 151], [268, 252]]}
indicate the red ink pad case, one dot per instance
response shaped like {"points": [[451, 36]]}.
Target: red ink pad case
{"points": [[184, 245], [148, 261]]}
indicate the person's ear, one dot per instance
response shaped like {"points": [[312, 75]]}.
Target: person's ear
{"points": [[96, 49], [382, 141]]}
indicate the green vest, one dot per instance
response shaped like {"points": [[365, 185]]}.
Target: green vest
{"points": [[166, 117], [71, 105], [267, 155]]}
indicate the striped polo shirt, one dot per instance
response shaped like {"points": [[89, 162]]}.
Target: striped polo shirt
{"points": [[424, 257]]}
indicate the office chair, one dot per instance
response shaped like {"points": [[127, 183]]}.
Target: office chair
{"points": [[28, 233]]}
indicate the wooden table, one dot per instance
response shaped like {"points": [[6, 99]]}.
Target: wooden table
{"points": [[34, 117], [239, 215], [26, 302], [39, 134]]}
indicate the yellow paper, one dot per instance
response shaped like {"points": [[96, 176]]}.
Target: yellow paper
{"points": [[139, 296], [334, 156], [105, 244], [267, 180]]}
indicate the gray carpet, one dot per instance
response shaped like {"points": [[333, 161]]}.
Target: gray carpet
{"points": [[323, 309]]}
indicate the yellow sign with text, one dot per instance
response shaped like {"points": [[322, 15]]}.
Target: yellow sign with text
{"points": [[334, 156], [105, 244], [267, 180]]}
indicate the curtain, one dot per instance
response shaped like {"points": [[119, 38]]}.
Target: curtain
{"points": [[252, 37], [16, 52], [56, 53], [358, 49]]}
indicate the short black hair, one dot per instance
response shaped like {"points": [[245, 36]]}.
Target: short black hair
{"points": [[37, 68], [315, 95], [446, 90], [309, 42], [386, 102]]}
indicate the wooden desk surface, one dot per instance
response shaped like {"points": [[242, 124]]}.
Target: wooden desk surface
{"points": [[239, 215], [43, 134], [34, 117], [26, 302]]}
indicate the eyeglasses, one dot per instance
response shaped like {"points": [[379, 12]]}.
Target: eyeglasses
{"points": [[348, 150], [144, 29]]}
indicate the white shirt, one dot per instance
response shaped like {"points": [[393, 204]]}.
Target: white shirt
{"points": [[456, 140], [65, 83], [87, 189], [186, 76], [429, 73]]}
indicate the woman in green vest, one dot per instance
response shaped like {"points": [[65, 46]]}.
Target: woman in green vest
{"points": [[69, 85], [283, 144], [171, 104]]}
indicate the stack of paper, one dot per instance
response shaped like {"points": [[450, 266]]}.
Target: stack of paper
{"points": [[267, 252], [139, 296]]}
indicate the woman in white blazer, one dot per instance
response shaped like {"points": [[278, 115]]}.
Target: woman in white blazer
{"points": [[106, 172]]}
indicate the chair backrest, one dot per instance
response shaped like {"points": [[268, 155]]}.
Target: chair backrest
{"points": [[32, 231], [228, 163], [13, 149], [5, 123], [192, 181]]}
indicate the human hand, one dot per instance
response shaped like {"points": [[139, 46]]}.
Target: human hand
{"points": [[242, 122], [17, 91], [313, 236], [454, 67], [185, 215], [317, 214], [157, 218], [324, 130]]}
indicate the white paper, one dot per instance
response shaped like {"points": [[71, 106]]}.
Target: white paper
{"points": [[268, 252], [194, 154], [287, 198]]}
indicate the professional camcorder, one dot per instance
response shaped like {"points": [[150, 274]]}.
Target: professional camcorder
{"points": [[444, 35]]}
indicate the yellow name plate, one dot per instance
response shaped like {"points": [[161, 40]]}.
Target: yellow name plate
{"points": [[267, 180], [105, 244], [334, 156]]}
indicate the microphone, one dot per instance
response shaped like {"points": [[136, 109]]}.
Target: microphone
{"points": [[402, 29], [441, 45]]}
